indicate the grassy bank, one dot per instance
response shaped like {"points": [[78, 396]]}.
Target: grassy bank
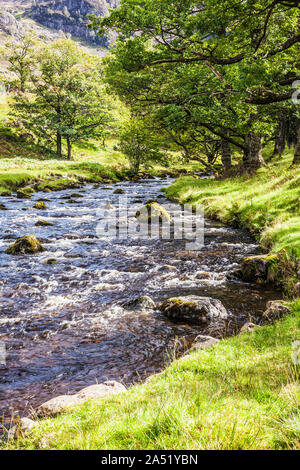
{"points": [[23, 164], [267, 204], [241, 394]]}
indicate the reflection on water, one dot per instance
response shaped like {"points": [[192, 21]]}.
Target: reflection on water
{"points": [[63, 324]]}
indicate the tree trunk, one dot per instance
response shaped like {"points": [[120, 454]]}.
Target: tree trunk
{"points": [[253, 158], [296, 160], [58, 144], [69, 143], [226, 155], [281, 134]]}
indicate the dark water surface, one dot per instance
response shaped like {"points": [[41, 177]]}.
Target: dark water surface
{"points": [[62, 323]]}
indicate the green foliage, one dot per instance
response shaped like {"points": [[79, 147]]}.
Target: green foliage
{"points": [[139, 144], [65, 98], [226, 67]]}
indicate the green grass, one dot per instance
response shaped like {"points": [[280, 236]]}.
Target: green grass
{"points": [[241, 394], [267, 204]]}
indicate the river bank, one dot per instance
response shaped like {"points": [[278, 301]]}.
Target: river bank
{"points": [[267, 205], [23, 164]]}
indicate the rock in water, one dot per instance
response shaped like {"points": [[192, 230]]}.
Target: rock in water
{"points": [[62, 403], [21, 194], [194, 309], [276, 309], [143, 302], [40, 206], [25, 245], [152, 212], [43, 223], [257, 268]]}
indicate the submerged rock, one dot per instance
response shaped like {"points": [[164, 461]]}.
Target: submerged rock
{"points": [[194, 309], [43, 223], [28, 244], [62, 403], [144, 302], [40, 206], [276, 309]]}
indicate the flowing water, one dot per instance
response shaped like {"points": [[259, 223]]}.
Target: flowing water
{"points": [[63, 324]]}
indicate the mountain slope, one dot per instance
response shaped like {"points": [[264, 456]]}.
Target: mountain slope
{"points": [[53, 18], [70, 16]]}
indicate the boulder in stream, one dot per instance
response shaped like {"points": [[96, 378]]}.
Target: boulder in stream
{"points": [[257, 268], [40, 206], [43, 223], [152, 212], [2, 207], [194, 309], [62, 403], [28, 244], [22, 194]]}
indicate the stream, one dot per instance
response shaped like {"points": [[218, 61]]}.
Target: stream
{"points": [[63, 324]]}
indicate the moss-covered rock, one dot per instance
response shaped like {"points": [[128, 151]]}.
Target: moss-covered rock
{"points": [[152, 212], [118, 191], [40, 206], [21, 194], [28, 244], [51, 261], [194, 309], [43, 223], [257, 268]]}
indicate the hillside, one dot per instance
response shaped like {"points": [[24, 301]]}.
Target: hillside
{"points": [[51, 19]]}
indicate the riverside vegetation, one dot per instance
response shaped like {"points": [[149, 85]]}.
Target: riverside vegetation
{"points": [[190, 92]]}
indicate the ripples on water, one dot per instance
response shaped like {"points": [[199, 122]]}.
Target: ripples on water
{"points": [[63, 324]]}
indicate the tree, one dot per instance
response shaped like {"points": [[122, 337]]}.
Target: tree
{"points": [[67, 99], [139, 144], [19, 54], [236, 59]]}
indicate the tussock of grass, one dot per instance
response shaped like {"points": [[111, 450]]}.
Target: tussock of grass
{"points": [[241, 394], [267, 204]]}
